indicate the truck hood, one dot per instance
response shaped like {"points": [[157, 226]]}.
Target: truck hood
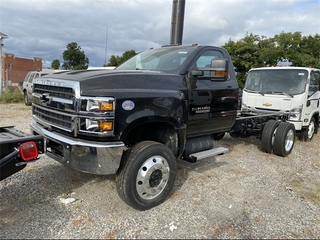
{"points": [[114, 82]]}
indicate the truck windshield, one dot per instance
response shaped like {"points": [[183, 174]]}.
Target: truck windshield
{"points": [[167, 59], [277, 81]]}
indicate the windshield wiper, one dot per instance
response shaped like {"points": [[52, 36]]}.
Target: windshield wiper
{"points": [[253, 91]]}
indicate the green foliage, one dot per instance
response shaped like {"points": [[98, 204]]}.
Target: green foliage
{"points": [[74, 58], [259, 51], [55, 64], [117, 60], [11, 95]]}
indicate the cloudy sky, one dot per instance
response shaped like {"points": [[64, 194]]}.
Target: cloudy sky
{"points": [[43, 28]]}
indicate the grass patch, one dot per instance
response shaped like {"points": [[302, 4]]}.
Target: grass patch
{"points": [[313, 194], [65, 192], [308, 192], [11, 95]]}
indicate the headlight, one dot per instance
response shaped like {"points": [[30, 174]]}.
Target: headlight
{"points": [[244, 107], [97, 116], [96, 105], [99, 125], [295, 113]]}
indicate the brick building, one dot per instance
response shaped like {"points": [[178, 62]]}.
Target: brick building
{"points": [[14, 69]]}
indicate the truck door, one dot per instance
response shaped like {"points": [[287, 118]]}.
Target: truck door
{"points": [[212, 104], [313, 102]]}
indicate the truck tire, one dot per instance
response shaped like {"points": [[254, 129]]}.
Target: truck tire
{"points": [[146, 175], [284, 139], [26, 99], [218, 136], [307, 134], [268, 134]]}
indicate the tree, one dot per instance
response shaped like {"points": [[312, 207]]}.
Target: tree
{"points": [[74, 58], [254, 51], [117, 60], [250, 52], [55, 64]]}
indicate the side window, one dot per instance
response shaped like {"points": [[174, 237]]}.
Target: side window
{"points": [[314, 82], [27, 77], [205, 58], [31, 77], [36, 75]]}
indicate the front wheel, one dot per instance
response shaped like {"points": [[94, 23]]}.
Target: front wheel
{"points": [[27, 102], [146, 175], [307, 134], [284, 139]]}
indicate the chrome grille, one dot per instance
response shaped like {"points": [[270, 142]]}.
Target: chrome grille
{"points": [[54, 103], [57, 104], [54, 118], [55, 91]]}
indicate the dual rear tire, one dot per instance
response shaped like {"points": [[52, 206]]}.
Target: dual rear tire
{"points": [[278, 137]]}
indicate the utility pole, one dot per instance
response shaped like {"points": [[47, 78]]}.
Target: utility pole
{"points": [[105, 53], [2, 36], [177, 21]]}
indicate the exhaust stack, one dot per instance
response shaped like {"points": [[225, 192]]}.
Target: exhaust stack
{"points": [[177, 21]]}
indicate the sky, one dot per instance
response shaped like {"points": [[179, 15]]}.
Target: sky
{"points": [[43, 28]]}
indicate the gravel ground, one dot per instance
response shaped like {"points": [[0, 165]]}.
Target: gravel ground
{"points": [[244, 193]]}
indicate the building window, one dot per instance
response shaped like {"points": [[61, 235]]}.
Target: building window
{"points": [[9, 66]]}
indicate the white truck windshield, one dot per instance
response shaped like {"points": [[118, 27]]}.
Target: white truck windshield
{"points": [[277, 81]]}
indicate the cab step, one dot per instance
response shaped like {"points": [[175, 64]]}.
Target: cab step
{"points": [[204, 154]]}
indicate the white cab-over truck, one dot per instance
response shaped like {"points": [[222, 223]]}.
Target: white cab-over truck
{"points": [[285, 89]]}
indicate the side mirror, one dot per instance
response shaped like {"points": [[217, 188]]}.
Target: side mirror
{"points": [[308, 103], [218, 70], [219, 64]]}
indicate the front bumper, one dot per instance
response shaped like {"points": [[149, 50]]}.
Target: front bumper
{"points": [[101, 158]]}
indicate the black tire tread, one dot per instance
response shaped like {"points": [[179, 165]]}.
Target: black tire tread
{"points": [[266, 138], [124, 173], [279, 139]]}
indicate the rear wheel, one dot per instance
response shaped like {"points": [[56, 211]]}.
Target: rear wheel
{"points": [[268, 134], [307, 134], [146, 175], [284, 139], [26, 99]]}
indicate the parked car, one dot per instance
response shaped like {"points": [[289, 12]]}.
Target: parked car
{"points": [[28, 85]]}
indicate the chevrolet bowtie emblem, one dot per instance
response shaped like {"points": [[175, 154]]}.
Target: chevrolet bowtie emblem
{"points": [[267, 104]]}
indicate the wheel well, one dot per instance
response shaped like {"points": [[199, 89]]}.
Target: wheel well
{"points": [[160, 132], [316, 117]]}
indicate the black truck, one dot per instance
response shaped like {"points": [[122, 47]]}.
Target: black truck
{"points": [[135, 121]]}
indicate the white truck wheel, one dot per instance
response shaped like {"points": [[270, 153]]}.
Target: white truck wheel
{"points": [[284, 139]]}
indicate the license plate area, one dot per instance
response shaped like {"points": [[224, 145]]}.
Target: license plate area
{"points": [[54, 148]]}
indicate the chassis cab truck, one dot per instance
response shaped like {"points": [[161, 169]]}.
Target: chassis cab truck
{"points": [[135, 121], [293, 90]]}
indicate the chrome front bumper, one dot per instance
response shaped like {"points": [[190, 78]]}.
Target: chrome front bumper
{"points": [[101, 158]]}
